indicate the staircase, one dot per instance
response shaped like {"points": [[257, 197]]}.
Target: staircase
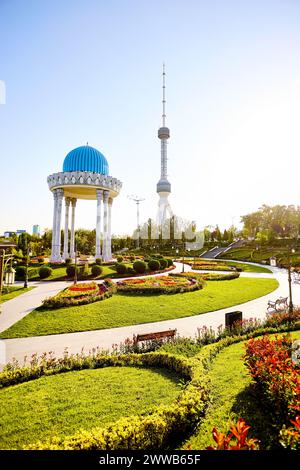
{"points": [[217, 250], [213, 253]]}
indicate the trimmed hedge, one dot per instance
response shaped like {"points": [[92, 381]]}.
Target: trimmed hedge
{"points": [[157, 430], [121, 268], [153, 265], [140, 267], [44, 272], [70, 270], [96, 270], [163, 263]]}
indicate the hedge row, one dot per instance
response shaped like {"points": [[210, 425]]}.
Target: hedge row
{"points": [[155, 431]]}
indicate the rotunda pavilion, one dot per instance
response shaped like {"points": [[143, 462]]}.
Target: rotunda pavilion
{"points": [[85, 175]]}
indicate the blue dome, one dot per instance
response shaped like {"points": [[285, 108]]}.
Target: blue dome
{"points": [[86, 158]]}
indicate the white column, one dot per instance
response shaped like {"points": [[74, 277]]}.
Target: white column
{"points": [[66, 233], [105, 226], [110, 201], [52, 258], [99, 196], [72, 241], [60, 195]]}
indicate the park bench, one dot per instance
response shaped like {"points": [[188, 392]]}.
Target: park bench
{"points": [[154, 336], [279, 304]]}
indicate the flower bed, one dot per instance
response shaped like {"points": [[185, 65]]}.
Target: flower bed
{"points": [[208, 276], [160, 285], [211, 267], [81, 293], [208, 265], [272, 367]]}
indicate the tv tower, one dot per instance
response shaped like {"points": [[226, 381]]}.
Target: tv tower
{"points": [[163, 187]]}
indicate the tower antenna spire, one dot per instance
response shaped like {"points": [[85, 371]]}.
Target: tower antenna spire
{"points": [[164, 96]]}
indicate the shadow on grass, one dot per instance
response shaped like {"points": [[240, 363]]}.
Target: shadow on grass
{"points": [[249, 405]]}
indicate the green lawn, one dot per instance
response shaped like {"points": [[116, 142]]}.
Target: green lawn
{"points": [[233, 396], [64, 403], [123, 310], [12, 292], [248, 268]]}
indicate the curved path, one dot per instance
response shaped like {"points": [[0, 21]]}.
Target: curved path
{"points": [[15, 309]]}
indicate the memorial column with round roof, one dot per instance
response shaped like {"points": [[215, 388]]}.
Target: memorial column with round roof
{"points": [[85, 175]]}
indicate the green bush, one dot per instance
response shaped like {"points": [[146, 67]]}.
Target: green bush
{"points": [[163, 263], [120, 259], [121, 268], [140, 267], [154, 265], [45, 272], [98, 261], [68, 261], [96, 270], [84, 271], [130, 270], [132, 258], [20, 273], [70, 270], [170, 262]]}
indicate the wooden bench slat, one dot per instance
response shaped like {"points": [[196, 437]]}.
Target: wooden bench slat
{"points": [[155, 335]]}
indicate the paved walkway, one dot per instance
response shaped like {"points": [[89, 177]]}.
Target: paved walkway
{"points": [[17, 308]]}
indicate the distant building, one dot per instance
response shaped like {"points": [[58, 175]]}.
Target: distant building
{"points": [[36, 230], [8, 234]]}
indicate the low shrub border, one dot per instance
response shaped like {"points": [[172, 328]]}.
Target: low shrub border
{"points": [[154, 431]]}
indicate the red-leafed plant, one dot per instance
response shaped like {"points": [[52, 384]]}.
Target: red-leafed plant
{"points": [[271, 366], [236, 439]]}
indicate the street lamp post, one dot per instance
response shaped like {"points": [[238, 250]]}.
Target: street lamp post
{"points": [[26, 266], [291, 306], [183, 260], [75, 273]]}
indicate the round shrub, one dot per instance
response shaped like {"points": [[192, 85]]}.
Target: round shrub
{"points": [[163, 263], [170, 262], [20, 273], [98, 261], [130, 270], [121, 268], [68, 261], [45, 272], [70, 270], [96, 270], [120, 259], [140, 267], [154, 265]]}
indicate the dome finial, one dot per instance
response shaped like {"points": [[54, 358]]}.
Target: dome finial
{"points": [[87, 144]]}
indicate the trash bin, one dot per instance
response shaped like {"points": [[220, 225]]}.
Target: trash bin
{"points": [[232, 317]]}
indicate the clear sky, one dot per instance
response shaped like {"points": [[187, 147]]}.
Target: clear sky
{"points": [[90, 70]]}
